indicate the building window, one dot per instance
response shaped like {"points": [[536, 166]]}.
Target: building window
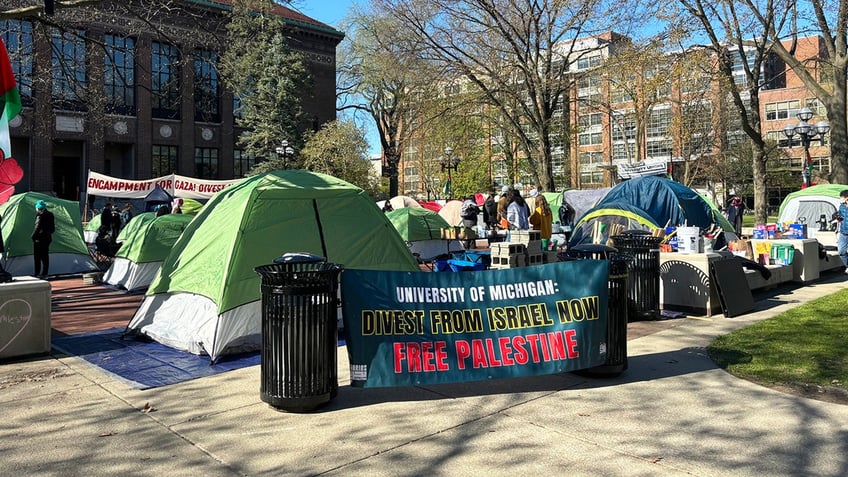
{"points": [[821, 164], [622, 152], [205, 163], [68, 69], [740, 77], [165, 81], [17, 36], [590, 139], [782, 110], [592, 158], [119, 74], [658, 149], [206, 87], [817, 107], [592, 177], [242, 163], [587, 62], [781, 139], [164, 160], [659, 122], [588, 120]]}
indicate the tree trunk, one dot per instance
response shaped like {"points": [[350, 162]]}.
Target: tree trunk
{"points": [[390, 169], [760, 190], [838, 138]]}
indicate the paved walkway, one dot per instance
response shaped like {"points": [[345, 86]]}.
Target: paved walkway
{"points": [[671, 413]]}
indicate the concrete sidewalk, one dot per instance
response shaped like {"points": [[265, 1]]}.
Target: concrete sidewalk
{"points": [[672, 413]]}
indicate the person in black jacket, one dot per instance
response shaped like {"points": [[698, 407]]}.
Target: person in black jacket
{"points": [[42, 235], [107, 217], [490, 212]]}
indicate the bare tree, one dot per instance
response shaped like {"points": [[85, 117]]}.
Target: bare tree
{"points": [[384, 76], [734, 41], [827, 75], [520, 50]]}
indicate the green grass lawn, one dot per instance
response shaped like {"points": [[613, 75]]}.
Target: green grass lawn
{"points": [[805, 346], [748, 220]]}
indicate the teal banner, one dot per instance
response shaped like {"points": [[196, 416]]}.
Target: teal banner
{"points": [[413, 328]]}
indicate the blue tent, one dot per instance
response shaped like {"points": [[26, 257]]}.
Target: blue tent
{"points": [[629, 217], [655, 200], [665, 201], [158, 196]]}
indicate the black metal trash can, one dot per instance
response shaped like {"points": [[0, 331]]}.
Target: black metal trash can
{"points": [[616, 342], [299, 354], [644, 295]]}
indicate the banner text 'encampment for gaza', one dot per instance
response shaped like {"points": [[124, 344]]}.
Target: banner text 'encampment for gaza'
{"points": [[417, 328]]}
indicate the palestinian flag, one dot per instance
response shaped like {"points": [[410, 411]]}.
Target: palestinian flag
{"points": [[10, 106]]}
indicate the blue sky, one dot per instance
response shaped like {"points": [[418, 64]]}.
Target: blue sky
{"points": [[325, 11], [331, 12]]}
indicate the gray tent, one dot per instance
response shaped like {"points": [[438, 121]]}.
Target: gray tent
{"points": [[581, 200]]}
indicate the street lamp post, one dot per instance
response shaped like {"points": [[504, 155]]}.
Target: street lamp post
{"points": [[286, 152], [806, 132], [449, 162]]}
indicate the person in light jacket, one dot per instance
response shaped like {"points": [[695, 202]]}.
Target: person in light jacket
{"points": [[517, 213]]}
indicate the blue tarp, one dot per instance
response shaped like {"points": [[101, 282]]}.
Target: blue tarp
{"points": [[145, 364]]}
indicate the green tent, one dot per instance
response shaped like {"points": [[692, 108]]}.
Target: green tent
{"points": [[144, 248], [809, 204], [91, 228], [206, 296], [417, 223], [135, 224], [555, 201], [191, 206], [68, 252], [421, 229]]}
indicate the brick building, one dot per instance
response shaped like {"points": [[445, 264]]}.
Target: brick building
{"points": [[688, 119], [159, 106]]}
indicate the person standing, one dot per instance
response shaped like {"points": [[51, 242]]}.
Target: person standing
{"points": [[517, 212], [734, 213], [178, 206], [503, 203], [469, 212], [42, 235], [126, 214], [490, 212], [107, 217], [842, 229], [542, 218]]}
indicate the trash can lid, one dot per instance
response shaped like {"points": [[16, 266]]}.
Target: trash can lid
{"points": [[594, 248], [299, 257]]}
